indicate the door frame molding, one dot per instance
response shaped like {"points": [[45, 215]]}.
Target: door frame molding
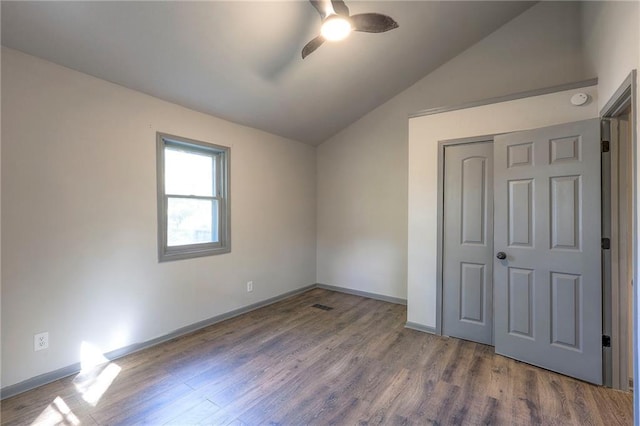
{"points": [[623, 98], [440, 215]]}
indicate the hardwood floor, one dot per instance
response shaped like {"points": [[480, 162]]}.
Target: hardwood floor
{"points": [[291, 363]]}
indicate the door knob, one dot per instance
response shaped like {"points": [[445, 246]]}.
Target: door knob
{"points": [[501, 255]]}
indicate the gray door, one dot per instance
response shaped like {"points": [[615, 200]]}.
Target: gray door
{"points": [[548, 293], [468, 242]]}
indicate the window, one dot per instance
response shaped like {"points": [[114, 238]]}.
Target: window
{"points": [[193, 198]]}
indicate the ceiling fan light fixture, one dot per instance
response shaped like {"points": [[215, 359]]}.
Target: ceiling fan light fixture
{"points": [[336, 28], [337, 23]]}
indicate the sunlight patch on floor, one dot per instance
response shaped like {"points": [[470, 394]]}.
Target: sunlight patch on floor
{"points": [[96, 375], [57, 413]]}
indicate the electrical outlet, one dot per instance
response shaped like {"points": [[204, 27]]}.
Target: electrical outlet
{"points": [[249, 286], [41, 341]]}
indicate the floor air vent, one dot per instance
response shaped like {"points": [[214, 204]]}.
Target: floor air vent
{"points": [[323, 307]]}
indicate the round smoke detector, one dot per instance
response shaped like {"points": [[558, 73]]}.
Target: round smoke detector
{"points": [[579, 99]]}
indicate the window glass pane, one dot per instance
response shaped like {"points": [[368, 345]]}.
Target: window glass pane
{"points": [[191, 221], [188, 173]]}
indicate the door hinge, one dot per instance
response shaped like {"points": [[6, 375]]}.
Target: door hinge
{"points": [[605, 135], [605, 244], [606, 341]]}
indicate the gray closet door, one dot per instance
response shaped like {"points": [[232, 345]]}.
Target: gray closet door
{"points": [[548, 292], [468, 242]]}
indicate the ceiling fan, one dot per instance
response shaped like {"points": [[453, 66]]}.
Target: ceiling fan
{"points": [[337, 24]]}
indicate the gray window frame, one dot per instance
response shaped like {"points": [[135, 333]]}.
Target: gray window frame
{"points": [[221, 154]]}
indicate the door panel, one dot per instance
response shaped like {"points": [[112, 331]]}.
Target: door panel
{"points": [[520, 296], [565, 310], [520, 214], [548, 291], [565, 212], [472, 290], [468, 237], [473, 200]]}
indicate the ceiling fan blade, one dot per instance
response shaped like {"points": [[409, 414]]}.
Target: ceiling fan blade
{"points": [[324, 7], [310, 47], [340, 8], [373, 23]]}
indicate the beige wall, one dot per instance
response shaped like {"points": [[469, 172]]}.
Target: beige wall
{"points": [[424, 134], [362, 171], [79, 250]]}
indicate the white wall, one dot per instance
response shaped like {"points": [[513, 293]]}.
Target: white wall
{"points": [[362, 171], [424, 134], [610, 41], [79, 250]]}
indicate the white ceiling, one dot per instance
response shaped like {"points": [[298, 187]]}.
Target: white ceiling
{"points": [[241, 60]]}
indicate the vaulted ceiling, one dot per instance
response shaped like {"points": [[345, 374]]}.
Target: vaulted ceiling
{"points": [[241, 60]]}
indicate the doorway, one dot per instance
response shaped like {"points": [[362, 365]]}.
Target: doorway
{"points": [[619, 210], [618, 227]]}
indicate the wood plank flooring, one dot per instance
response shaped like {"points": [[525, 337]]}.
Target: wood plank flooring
{"points": [[292, 364]]}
